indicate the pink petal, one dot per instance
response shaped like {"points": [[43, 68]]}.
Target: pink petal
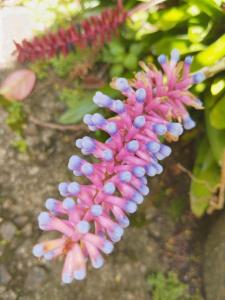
{"points": [[18, 85]]}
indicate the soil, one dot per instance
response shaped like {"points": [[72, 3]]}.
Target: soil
{"points": [[163, 236]]}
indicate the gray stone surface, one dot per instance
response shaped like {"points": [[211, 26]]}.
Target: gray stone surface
{"points": [[4, 275], [214, 261]]}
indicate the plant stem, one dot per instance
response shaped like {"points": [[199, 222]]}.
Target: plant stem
{"points": [[144, 6], [55, 126], [214, 69]]}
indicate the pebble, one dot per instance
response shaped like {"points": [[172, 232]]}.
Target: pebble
{"points": [[35, 278], [8, 230], [5, 277]]}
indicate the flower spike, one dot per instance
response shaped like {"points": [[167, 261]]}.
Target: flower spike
{"points": [[92, 217], [92, 32]]}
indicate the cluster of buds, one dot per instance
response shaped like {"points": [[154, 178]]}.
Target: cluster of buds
{"points": [[92, 217], [92, 32]]}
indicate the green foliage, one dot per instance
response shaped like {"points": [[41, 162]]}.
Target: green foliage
{"points": [[78, 103], [206, 177], [167, 287]]}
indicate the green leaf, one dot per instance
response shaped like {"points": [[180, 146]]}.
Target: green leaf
{"points": [[209, 7], [212, 53], [216, 137], [206, 178], [217, 114], [79, 108], [179, 42]]}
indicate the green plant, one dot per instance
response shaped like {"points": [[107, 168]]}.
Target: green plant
{"points": [[169, 287]]}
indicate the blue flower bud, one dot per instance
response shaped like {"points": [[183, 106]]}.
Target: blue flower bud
{"points": [[96, 210], [132, 146], [74, 162], [107, 155], [74, 188], [139, 121], [188, 123], [140, 95], [188, 60], [68, 203], [79, 274], [198, 77], [175, 55], [102, 100], [125, 176], [153, 147], [118, 106], [109, 188], [160, 129], [50, 204], [98, 119], [43, 219], [38, 250], [162, 59], [122, 84], [87, 169], [63, 188], [83, 227], [111, 128], [138, 171]]}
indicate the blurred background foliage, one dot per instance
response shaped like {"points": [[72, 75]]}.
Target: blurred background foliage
{"points": [[192, 27]]}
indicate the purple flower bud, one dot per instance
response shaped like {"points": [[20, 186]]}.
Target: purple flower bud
{"points": [[98, 120], [87, 169], [162, 59], [107, 155], [153, 147], [165, 150], [74, 162], [50, 204], [175, 129], [188, 123], [140, 95], [43, 219], [139, 122], [66, 278], [102, 100], [125, 176], [68, 203], [111, 128], [175, 55], [133, 146], [83, 227], [188, 60], [63, 189], [98, 262], [109, 188], [198, 77], [137, 198], [79, 274], [107, 247], [122, 84], [96, 210], [118, 106], [160, 129], [74, 188], [38, 250], [138, 171], [131, 207]]}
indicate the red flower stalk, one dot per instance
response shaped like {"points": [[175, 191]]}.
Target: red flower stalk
{"points": [[94, 31]]}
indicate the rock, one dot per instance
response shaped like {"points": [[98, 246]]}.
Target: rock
{"points": [[214, 262], [5, 277], [35, 278], [8, 230]]}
